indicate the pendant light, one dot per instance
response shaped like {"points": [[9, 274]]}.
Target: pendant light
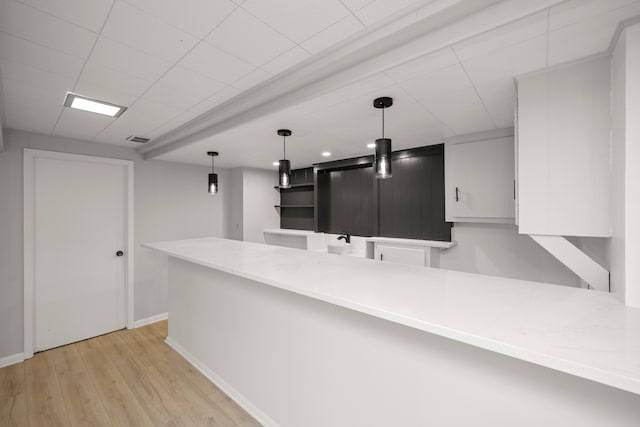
{"points": [[213, 177], [383, 145], [284, 165]]}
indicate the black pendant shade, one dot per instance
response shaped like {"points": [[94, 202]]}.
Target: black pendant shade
{"points": [[284, 165], [213, 177], [383, 145]]}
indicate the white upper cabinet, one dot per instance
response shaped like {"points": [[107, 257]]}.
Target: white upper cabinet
{"points": [[564, 145], [480, 179]]}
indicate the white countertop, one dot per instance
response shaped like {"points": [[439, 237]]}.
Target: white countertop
{"points": [[582, 332]]}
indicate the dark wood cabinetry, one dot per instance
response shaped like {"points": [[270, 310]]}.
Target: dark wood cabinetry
{"points": [[410, 205], [344, 196], [297, 208], [345, 201]]}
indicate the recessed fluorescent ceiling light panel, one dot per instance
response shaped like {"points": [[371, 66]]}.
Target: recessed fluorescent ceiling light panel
{"points": [[79, 102]]}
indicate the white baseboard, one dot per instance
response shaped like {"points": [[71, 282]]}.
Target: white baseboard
{"points": [[152, 319], [237, 397], [11, 360]]}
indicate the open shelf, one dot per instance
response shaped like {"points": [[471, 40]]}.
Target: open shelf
{"points": [[294, 186], [294, 206]]}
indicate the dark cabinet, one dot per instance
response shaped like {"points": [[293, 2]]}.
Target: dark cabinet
{"points": [[411, 204], [345, 201]]}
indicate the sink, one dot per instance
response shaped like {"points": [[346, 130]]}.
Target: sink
{"points": [[339, 249]]}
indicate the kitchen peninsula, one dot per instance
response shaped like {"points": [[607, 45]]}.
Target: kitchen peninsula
{"points": [[301, 338]]}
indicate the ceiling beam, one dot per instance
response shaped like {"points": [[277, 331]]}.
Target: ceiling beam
{"points": [[418, 31]]}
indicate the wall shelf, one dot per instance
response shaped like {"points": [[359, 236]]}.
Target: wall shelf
{"points": [[297, 206], [294, 186]]}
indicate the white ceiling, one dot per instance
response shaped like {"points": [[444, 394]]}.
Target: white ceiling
{"points": [[171, 61]]}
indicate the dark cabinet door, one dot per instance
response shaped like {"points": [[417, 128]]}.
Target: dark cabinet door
{"points": [[411, 203], [346, 202]]}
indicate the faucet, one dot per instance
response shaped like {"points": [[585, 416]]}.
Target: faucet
{"points": [[346, 237]]}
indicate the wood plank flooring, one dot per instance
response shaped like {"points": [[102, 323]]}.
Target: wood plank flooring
{"points": [[126, 378]]}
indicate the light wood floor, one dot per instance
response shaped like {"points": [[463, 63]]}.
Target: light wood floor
{"points": [[126, 378]]}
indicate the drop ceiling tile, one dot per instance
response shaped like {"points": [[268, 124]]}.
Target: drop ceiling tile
{"points": [[137, 29], [381, 9], [142, 117], [22, 51], [117, 133], [28, 75], [31, 108], [587, 37], [287, 60], [253, 78], [97, 81], [461, 111], [31, 24], [574, 11], [370, 87], [163, 129], [129, 60], [167, 94], [248, 38], [354, 5], [333, 34], [216, 64], [437, 84], [493, 73], [81, 124], [422, 66], [222, 96], [196, 17], [502, 37], [31, 115], [501, 111], [148, 115], [89, 14], [302, 19], [191, 83]]}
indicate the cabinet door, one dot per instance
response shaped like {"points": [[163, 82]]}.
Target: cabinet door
{"points": [[399, 255], [482, 181]]}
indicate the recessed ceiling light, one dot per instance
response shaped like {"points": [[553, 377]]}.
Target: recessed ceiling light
{"points": [[371, 145], [276, 163], [326, 153], [79, 102]]}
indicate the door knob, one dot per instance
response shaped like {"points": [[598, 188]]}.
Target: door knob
{"points": [[119, 253]]}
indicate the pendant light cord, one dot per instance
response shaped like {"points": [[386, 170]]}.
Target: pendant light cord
{"points": [[284, 147], [383, 122], [212, 168]]}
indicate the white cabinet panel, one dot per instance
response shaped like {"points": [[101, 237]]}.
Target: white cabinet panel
{"points": [[564, 151], [400, 255], [480, 181]]}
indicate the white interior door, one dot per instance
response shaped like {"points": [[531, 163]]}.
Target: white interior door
{"points": [[79, 225]]}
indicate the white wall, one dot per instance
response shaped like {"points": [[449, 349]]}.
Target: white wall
{"points": [[251, 204], [499, 250], [170, 202], [234, 207], [258, 200]]}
